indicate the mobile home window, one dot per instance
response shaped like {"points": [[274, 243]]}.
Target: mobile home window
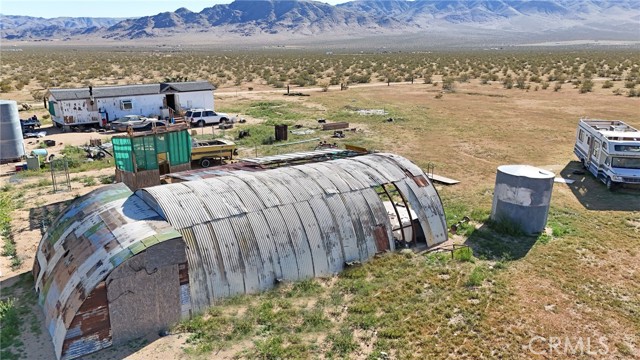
{"points": [[126, 105], [581, 135]]}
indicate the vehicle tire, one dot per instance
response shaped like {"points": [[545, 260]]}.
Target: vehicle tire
{"points": [[200, 123], [611, 186], [205, 163], [584, 163], [224, 120], [101, 155]]}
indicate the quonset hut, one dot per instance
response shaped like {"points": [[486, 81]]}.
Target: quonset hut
{"points": [[117, 265]]}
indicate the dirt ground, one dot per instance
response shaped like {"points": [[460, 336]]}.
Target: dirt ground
{"points": [[466, 134]]}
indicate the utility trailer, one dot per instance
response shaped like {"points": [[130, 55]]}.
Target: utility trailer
{"points": [[610, 150], [208, 152]]}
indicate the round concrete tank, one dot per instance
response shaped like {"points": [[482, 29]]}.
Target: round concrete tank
{"points": [[522, 196], [11, 142]]}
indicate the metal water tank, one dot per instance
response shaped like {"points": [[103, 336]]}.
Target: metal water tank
{"points": [[11, 142], [522, 196]]}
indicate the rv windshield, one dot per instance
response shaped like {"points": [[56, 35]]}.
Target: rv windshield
{"points": [[634, 148], [625, 163]]}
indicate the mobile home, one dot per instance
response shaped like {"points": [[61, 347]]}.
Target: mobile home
{"points": [[610, 150], [100, 105]]}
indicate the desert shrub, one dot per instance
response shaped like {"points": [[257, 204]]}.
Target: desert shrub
{"points": [[586, 86], [448, 84], [507, 82], [607, 84]]}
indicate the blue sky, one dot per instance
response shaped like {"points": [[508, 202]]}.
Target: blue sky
{"points": [[104, 8]]}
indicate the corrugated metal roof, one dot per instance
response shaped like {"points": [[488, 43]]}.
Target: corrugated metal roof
{"points": [[129, 90], [290, 223], [96, 233], [186, 86]]}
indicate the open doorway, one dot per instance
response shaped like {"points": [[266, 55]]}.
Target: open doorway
{"points": [[171, 102], [405, 226]]}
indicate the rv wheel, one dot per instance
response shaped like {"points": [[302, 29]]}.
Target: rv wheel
{"points": [[611, 186]]}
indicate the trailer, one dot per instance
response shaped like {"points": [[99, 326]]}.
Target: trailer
{"points": [[610, 150], [209, 152]]}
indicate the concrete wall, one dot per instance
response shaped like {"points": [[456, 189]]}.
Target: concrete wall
{"points": [[144, 292]]}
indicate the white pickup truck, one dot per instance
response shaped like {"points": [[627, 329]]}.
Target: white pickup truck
{"points": [[202, 117]]}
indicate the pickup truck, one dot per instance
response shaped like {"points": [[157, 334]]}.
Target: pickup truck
{"points": [[208, 152]]}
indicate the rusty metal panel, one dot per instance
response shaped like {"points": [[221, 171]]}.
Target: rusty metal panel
{"points": [[299, 241], [382, 238], [183, 273], [92, 316], [380, 215], [330, 235], [90, 329], [92, 236]]}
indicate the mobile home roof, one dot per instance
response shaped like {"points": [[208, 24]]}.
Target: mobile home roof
{"points": [[130, 90]]}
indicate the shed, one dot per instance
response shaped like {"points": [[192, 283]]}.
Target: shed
{"points": [[114, 257], [92, 105], [141, 158]]}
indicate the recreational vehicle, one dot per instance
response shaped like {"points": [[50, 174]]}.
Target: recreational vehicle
{"points": [[610, 150]]}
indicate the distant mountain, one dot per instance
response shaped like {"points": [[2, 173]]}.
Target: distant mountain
{"points": [[28, 27], [254, 18]]}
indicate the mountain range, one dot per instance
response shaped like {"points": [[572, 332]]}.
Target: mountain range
{"points": [[613, 19]]}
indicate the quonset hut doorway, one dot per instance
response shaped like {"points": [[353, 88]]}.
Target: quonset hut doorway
{"points": [[405, 226]]}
